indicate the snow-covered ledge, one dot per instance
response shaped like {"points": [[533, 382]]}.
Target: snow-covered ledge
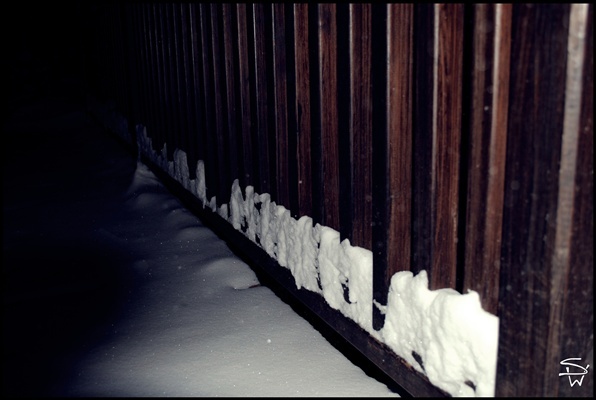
{"points": [[443, 334]]}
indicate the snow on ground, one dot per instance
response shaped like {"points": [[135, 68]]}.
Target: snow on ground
{"points": [[443, 334], [112, 288]]}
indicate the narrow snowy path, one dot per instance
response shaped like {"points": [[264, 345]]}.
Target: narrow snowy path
{"points": [[112, 288]]}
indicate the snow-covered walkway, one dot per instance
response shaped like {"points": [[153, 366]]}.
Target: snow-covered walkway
{"points": [[112, 288]]}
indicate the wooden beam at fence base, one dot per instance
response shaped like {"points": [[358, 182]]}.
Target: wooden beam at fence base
{"points": [[487, 149], [281, 281]]}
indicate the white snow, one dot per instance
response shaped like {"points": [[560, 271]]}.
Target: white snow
{"points": [[193, 319], [197, 322], [455, 339]]}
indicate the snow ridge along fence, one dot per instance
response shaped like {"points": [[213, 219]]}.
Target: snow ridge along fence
{"points": [[419, 175]]}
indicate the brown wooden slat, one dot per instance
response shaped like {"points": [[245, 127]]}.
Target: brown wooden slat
{"points": [[262, 100], [302, 108], [421, 254], [188, 86], [529, 180], [565, 232], [329, 133], [361, 124], [535, 126], [399, 136], [219, 91], [149, 81], [488, 143], [210, 150], [245, 84], [168, 109], [197, 79], [280, 106], [162, 77], [138, 65], [392, 147], [577, 334], [231, 93], [446, 142], [178, 126]]}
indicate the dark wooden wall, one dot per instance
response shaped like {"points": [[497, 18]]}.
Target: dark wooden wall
{"points": [[456, 139]]}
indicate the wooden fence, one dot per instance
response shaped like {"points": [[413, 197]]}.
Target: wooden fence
{"points": [[456, 139]]}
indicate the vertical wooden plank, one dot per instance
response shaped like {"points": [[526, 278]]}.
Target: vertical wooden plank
{"points": [[392, 146], [179, 126], [437, 136], [168, 109], [360, 125], [138, 65], [577, 336], [262, 98], [446, 142], [229, 42], [563, 237], [399, 136], [189, 93], [149, 88], [488, 143], [197, 79], [219, 91], [329, 134], [157, 128], [421, 254], [245, 84], [211, 164], [302, 109], [280, 105], [148, 65], [535, 125], [163, 77]]}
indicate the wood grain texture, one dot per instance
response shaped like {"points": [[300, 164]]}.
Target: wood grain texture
{"points": [[280, 105], [244, 98], [262, 99], [535, 129], [399, 136], [211, 165], [448, 69], [360, 127], [488, 143], [231, 93], [197, 79], [302, 108], [219, 93], [442, 137], [328, 110], [576, 337]]}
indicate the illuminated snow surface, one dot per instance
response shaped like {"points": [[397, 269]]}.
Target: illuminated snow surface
{"points": [[188, 317], [454, 339]]}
